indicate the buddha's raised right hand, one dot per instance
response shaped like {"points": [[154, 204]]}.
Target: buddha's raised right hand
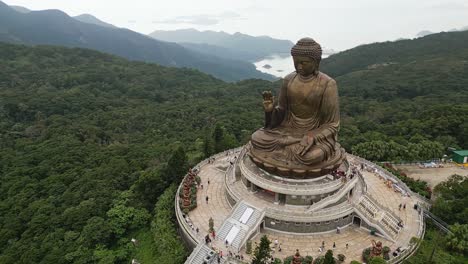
{"points": [[268, 101]]}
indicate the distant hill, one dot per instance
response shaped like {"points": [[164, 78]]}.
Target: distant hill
{"points": [[54, 27], [90, 19], [424, 33], [238, 44], [402, 52], [20, 9]]}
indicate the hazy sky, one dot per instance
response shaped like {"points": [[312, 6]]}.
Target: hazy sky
{"points": [[337, 24]]}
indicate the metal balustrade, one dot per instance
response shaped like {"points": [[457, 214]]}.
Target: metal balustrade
{"points": [[388, 174], [335, 197]]}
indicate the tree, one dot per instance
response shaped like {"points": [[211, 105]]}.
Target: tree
{"points": [[248, 247], [210, 225], [329, 257], [262, 253], [176, 167], [218, 135], [208, 148], [452, 198], [458, 239], [377, 260]]}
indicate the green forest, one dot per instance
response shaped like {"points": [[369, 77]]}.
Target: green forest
{"points": [[92, 145]]}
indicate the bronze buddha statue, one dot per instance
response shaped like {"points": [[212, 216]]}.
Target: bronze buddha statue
{"points": [[299, 138]]}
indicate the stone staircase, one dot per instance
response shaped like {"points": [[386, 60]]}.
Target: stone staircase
{"points": [[201, 254], [334, 198], [224, 230], [378, 217], [243, 222]]}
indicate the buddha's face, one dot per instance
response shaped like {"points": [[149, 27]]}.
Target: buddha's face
{"points": [[305, 66]]}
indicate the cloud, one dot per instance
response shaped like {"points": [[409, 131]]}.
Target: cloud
{"points": [[202, 20], [456, 6]]}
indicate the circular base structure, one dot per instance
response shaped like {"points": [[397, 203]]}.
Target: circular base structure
{"points": [[246, 202]]}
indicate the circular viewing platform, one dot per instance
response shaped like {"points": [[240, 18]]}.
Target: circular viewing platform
{"points": [[246, 202]]}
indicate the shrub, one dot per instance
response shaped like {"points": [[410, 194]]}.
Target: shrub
{"points": [[366, 254], [329, 257], [341, 257], [319, 260], [248, 247], [355, 262], [307, 260], [288, 260], [414, 240], [277, 261], [377, 260], [210, 225], [386, 251]]}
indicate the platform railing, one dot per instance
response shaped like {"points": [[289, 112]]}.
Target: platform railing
{"points": [[413, 247], [190, 233], [273, 185]]}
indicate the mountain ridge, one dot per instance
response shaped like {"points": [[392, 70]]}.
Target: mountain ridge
{"points": [[238, 44], [54, 27], [87, 18]]}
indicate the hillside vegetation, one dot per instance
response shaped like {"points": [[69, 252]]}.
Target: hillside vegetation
{"points": [[89, 142]]}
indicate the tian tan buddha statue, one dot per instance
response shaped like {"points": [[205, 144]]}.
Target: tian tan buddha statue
{"points": [[300, 134]]}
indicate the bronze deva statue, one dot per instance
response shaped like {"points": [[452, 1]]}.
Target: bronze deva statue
{"points": [[299, 138]]}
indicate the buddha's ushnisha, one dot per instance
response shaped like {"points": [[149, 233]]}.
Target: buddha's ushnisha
{"points": [[300, 133]]}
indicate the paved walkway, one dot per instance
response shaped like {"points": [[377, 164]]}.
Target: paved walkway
{"points": [[391, 200], [357, 239], [217, 207]]}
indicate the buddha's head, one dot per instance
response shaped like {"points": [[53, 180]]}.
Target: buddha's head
{"points": [[306, 55]]}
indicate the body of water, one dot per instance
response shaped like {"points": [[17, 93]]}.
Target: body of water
{"points": [[280, 65]]}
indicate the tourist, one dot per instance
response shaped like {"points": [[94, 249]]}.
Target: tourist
{"points": [[198, 230], [206, 199], [276, 242], [323, 244], [334, 245], [404, 207], [226, 242], [201, 186], [279, 248], [208, 181], [347, 245], [338, 230], [399, 207]]}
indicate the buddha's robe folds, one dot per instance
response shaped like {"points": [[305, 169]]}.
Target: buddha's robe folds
{"points": [[307, 116]]}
